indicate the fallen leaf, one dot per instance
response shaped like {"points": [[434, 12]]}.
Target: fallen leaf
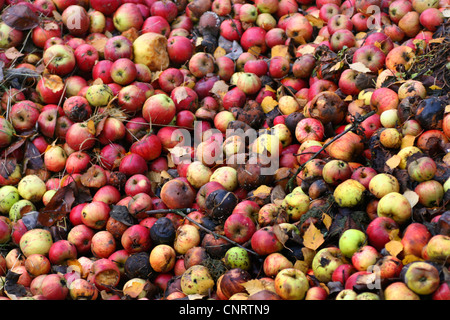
{"points": [[12, 53], [435, 87], [394, 247], [268, 104], [337, 66], [360, 67], [315, 21], [327, 220], [410, 258], [408, 140], [180, 95], [20, 17], [280, 50], [313, 238], [219, 52], [412, 197], [255, 50], [393, 161], [253, 286], [307, 49], [220, 88]]}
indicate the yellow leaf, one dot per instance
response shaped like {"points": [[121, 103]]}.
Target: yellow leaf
{"points": [[262, 191], [410, 258], [313, 238], [269, 88], [394, 161], [327, 220], [412, 197], [337, 66], [437, 40], [198, 41], [268, 104], [377, 44], [255, 50], [307, 49], [447, 108], [408, 140], [301, 265], [91, 126], [219, 52], [394, 235], [308, 255], [394, 247], [435, 87], [253, 286], [280, 50], [315, 21]]}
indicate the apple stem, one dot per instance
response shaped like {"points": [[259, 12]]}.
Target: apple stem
{"points": [[290, 185], [184, 213]]}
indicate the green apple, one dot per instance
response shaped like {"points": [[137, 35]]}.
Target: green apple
{"points": [[36, 241], [99, 95], [20, 208], [237, 257], [325, 262], [296, 205], [351, 241], [196, 280], [349, 193], [8, 196], [291, 284], [32, 188], [421, 277], [346, 294], [367, 296]]}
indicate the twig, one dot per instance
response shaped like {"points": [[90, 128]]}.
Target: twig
{"points": [[356, 123], [184, 213]]}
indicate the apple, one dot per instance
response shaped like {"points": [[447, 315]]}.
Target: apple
{"points": [[438, 248], [61, 252], [239, 228], [127, 16], [365, 257], [187, 236], [37, 264], [159, 109], [196, 280], [9, 195], [32, 188], [36, 241], [442, 292], [421, 277], [24, 115], [104, 273], [95, 214], [342, 273], [349, 193], [380, 231], [103, 244], [395, 206], [363, 175], [81, 236], [351, 241], [325, 262], [59, 59], [430, 192], [177, 194], [400, 57], [382, 184], [291, 284], [264, 241], [54, 287]]}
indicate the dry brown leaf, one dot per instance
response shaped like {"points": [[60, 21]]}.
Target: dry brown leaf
{"points": [[280, 50], [180, 95]]}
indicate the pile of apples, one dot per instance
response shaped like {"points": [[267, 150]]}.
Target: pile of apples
{"points": [[105, 197]]}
